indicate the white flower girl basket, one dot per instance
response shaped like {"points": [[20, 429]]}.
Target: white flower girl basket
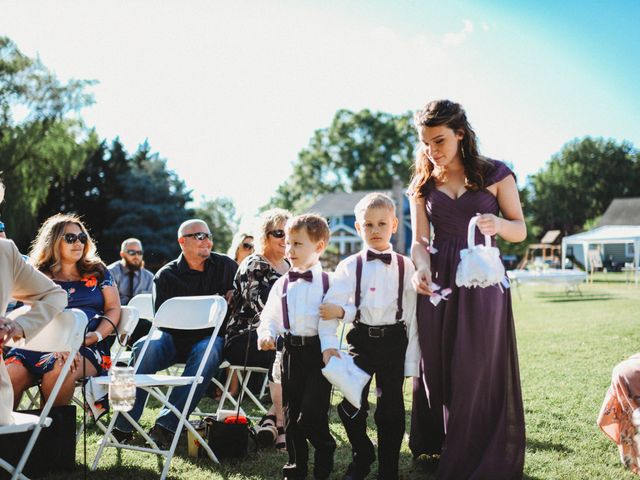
{"points": [[480, 265]]}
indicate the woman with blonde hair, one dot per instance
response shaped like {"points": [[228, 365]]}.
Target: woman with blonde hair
{"points": [[64, 252], [254, 279], [241, 247]]}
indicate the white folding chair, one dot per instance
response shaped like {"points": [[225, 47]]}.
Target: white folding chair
{"points": [[144, 303], [128, 320], [64, 333], [186, 313], [243, 384]]}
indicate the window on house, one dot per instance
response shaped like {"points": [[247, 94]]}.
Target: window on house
{"points": [[628, 250]]}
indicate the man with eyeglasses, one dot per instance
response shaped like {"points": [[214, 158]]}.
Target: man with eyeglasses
{"points": [[129, 272], [197, 271]]}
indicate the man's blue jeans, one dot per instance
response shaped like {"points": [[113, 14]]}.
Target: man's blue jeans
{"points": [[161, 354]]}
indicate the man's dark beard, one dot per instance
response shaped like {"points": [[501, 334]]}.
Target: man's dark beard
{"points": [[133, 267]]}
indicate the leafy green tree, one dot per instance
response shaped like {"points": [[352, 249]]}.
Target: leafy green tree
{"points": [[89, 192], [151, 205], [120, 196], [220, 215], [40, 137], [358, 151], [580, 181]]}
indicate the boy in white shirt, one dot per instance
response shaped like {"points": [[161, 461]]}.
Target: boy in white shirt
{"points": [[292, 311], [384, 340]]}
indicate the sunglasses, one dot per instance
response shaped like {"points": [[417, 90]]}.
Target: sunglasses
{"points": [[1, 227], [276, 233], [134, 252], [72, 238], [247, 246], [199, 235]]}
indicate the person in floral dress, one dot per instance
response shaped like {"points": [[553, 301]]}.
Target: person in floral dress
{"points": [[616, 415], [64, 251]]}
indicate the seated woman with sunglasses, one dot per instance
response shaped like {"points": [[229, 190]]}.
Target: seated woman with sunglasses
{"points": [[254, 279], [241, 247], [64, 252]]}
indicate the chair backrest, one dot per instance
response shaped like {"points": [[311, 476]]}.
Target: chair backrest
{"points": [[129, 317], [190, 313], [144, 303], [64, 333]]}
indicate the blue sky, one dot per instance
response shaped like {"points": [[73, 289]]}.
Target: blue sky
{"points": [[229, 92]]}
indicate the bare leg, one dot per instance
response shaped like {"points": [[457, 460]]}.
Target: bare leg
{"points": [[69, 385], [21, 379]]}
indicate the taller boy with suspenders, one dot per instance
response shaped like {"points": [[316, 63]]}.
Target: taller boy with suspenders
{"points": [[292, 311], [384, 341]]}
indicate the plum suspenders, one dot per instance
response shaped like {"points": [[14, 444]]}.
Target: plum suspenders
{"points": [[285, 307]]}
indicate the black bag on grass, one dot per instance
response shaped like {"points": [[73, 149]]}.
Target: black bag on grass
{"points": [[228, 440], [55, 449]]}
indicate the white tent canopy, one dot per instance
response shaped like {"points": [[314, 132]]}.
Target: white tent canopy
{"points": [[606, 234]]}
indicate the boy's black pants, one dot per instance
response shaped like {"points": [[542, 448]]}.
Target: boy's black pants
{"points": [[306, 396], [379, 352]]}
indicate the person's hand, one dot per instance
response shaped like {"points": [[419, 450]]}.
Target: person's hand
{"points": [[328, 353], [9, 329], [267, 343], [421, 281], [488, 224], [331, 311], [228, 296], [62, 358]]}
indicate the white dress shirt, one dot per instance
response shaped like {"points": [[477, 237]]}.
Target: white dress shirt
{"points": [[378, 298], [303, 302]]}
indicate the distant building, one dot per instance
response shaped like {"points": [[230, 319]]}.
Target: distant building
{"points": [[621, 211], [338, 207]]}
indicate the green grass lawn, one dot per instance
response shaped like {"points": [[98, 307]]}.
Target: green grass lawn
{"points": [[567, 345]]}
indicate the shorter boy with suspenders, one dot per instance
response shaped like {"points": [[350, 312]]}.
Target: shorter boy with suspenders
{"points": [[292, 311], [384, 341]]}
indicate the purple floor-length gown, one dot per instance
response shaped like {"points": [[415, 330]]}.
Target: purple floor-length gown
{"points": [[467, 403]]}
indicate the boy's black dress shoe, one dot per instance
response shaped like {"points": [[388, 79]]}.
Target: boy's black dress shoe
{"points": [[291, 472], [354, 472]]}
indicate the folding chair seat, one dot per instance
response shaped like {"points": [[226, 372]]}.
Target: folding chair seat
{"points": [[64, 333], [203, 312]]}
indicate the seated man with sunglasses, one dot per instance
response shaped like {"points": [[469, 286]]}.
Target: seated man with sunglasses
{"points": [[197, 271], [132, 278]]}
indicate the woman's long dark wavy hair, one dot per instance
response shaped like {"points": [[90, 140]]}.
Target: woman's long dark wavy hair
{"points": [[45, 249], [453, 116]]}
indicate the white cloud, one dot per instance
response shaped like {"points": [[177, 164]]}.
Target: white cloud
{"points": [[457, 38]]}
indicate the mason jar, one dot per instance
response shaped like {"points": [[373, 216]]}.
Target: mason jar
{"points": [[122, 388]]}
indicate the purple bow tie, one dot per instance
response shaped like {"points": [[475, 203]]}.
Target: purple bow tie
{"points": [[308, 276], [385, 257]]}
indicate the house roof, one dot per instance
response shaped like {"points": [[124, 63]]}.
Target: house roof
{"points": [[622, 211], [339, 203], [551, 236], [606, 234]]}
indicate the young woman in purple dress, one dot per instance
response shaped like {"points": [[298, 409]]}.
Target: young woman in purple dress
{"points": [[467, 404]]}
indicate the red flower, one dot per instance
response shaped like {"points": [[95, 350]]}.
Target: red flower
{"points": [[90, 281]]}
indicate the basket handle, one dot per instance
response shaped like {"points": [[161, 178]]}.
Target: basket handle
{"points": [[471, 237]]}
